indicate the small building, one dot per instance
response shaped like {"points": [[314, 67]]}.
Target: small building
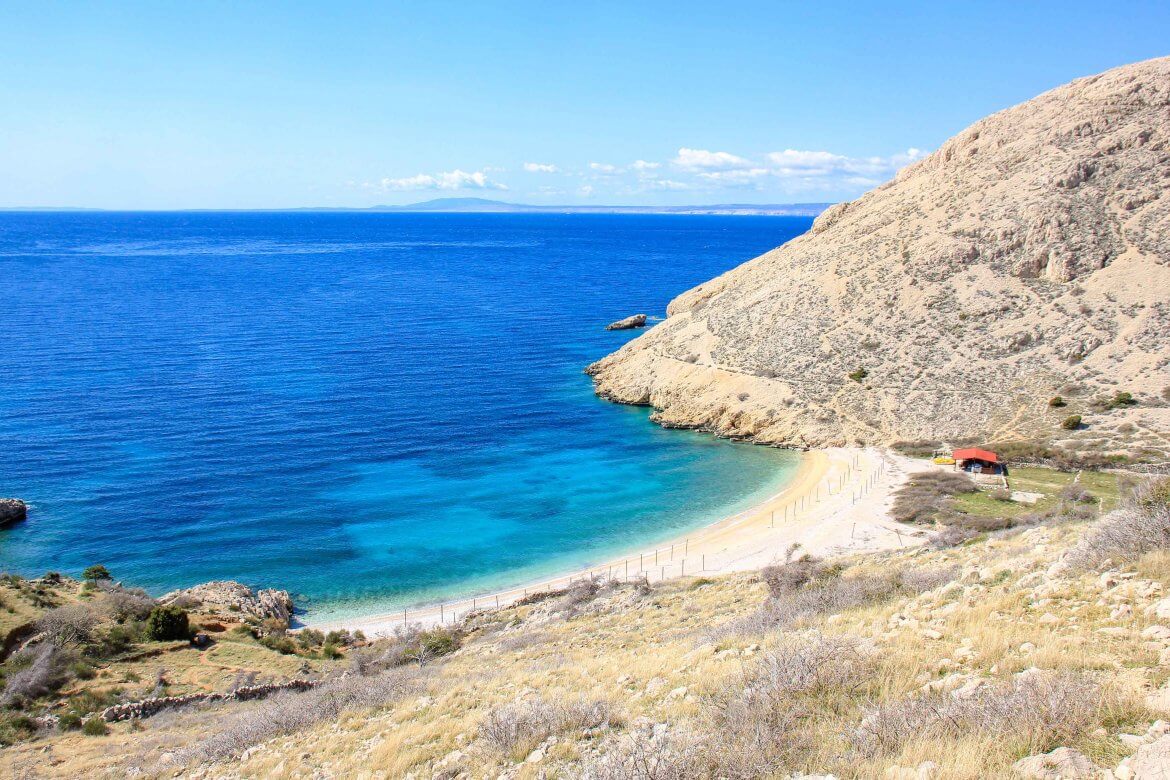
{"points": [[976, 461]]}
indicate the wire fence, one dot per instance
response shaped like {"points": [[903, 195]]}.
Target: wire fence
{"points": [[661, 563]]}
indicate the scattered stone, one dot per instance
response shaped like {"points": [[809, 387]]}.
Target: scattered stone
{"points": [[1152, 761], [1060, 764]]}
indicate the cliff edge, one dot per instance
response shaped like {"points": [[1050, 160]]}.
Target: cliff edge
{"points": [[1028, 257]]}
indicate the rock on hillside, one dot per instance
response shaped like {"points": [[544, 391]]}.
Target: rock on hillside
{"points": [[1027, 257], [238, 598]]}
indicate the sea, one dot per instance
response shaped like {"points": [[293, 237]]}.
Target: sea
{"points": [[370, 410]]}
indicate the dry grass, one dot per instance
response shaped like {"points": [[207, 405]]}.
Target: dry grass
{"points": [[853, 668]]}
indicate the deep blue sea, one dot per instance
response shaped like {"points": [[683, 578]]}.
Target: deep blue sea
{"points": [[368, 410]]}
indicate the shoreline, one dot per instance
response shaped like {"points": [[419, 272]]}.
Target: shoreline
{"points": [[835, 503]]}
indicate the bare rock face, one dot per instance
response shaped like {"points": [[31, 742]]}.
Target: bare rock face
{"points": [[1028, 257], [1061, 764], [1153, 760], [12, 510], [633, 321], [238, 598]]}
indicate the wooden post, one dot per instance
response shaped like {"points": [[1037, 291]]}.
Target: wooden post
{"points": [[497, 601], [672, 552], [441, 613], [404, 618], [704, 561], [687, 549]]}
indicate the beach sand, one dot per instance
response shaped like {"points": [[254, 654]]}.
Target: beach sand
{"points": [[837, 503]]}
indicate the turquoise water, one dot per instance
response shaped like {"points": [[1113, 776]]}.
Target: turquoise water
{"points": [[369, 410]]}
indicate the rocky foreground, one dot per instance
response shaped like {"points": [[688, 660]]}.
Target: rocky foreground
{"points": [[1028, 257]]}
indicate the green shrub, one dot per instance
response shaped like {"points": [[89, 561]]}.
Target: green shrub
{"points": [[1056, 402], [168, 623], [330, 651], [16, 728], [82, 671], [281, 644], [310, 637], [95, 727], [70, 721], [858, 374], [439, 641], [95, 573], [1122, 399], [1072, 422]]}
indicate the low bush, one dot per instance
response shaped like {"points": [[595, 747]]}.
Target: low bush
{"points": [[953, 536], [16, 728], [34, 672], [67, 626], [168, 623], [827, 592], [95, 727], [925, 497], [1142, 525], [1041, 711], [281, 644], [123, 604], [515, 730], [1057, 402], [1071, 423], [858, 374], [289, 712]]}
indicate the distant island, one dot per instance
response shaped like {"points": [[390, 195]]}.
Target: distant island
{"points": [[486, 206]]}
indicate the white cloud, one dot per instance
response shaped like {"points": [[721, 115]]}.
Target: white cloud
{"points": [[642, 165], [798, 163], [449, 180], [748, 177], [665, 184], [605, 168], [585, 191], [541, 168], [703, 160]]}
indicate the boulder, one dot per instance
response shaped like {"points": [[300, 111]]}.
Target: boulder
{"points": [[12, 510], [1061, 764], [1152, 761], [238, 598], [635, 321]]}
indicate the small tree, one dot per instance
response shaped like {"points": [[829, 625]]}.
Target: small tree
{"points": [[1072, 422], [95, 573], [1121, 399], [167, 623]]}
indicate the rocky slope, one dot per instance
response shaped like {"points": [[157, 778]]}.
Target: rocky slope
{"points": [[1029, 256]]}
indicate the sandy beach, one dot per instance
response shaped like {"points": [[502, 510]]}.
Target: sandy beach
{"points": [[836, 503]]}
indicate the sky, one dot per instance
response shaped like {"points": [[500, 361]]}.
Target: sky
{"points": [[158, 105]]}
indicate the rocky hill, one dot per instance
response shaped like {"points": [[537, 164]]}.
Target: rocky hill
{"points": [[1028, 257]]}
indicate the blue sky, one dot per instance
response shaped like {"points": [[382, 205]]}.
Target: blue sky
{"points": [[254, 105]]}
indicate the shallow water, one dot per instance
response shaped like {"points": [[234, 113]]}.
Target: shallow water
{"points": [[365, 409]]}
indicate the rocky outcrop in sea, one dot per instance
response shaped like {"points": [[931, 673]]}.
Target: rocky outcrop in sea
{"points": [[629, 323], [12, 510]]}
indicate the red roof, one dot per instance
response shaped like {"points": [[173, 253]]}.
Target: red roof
{"points": [[974, 453]]}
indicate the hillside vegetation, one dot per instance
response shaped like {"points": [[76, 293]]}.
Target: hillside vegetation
{"points": [[944, 661], [1009, 286]]}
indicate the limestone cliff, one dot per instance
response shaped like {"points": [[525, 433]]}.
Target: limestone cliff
{"points": [[1028, 257]]}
